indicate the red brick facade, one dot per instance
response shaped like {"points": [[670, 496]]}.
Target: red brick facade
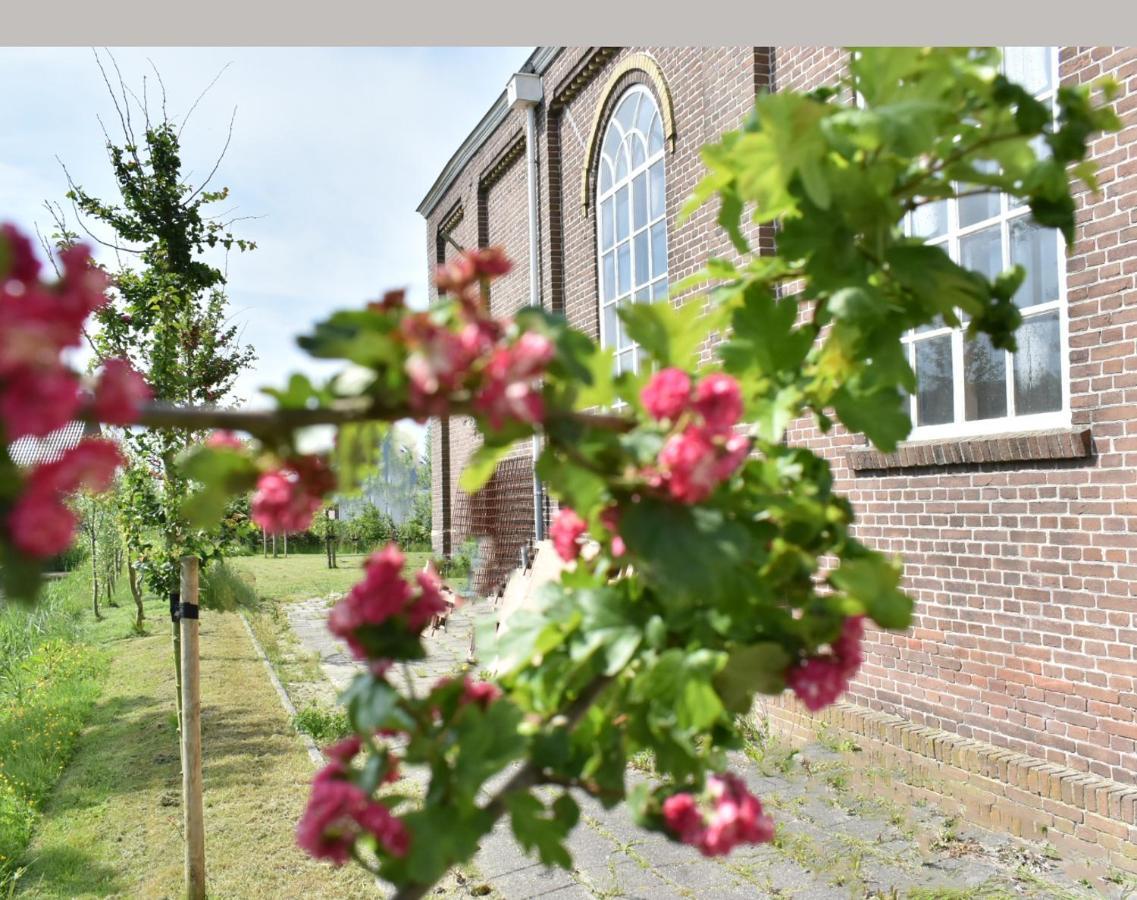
{"points": [[1021, 550]]}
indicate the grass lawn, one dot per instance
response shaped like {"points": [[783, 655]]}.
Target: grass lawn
{"points": [[303, 576], [113, 825]]}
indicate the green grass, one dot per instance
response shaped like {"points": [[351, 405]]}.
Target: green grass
{"points": [[113, 824], [49, 680], [324, 725], [304, 576]]}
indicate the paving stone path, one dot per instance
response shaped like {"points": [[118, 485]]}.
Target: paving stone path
{"points": [[833, 841]]}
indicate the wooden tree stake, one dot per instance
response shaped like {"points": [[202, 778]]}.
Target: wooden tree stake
{"points": [[192, 805]]}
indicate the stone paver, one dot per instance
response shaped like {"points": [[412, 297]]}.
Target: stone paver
{"points": [[832, 842]]}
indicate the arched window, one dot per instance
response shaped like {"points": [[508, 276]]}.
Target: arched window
{"points": [[631, 217]]}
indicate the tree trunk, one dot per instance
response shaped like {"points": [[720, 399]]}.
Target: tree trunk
{"points": [[135, 592], [95, 573]]}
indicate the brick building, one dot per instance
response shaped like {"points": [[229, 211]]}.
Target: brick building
{"points": [[1014, 503]]}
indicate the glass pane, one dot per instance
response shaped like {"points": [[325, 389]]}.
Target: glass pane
{"points": [[658, 249], [985, 382], [611, 144], [622, 340], [639, 201], [645, 114], [1038, 366], [930, 220], [622, 213], [606, 238], [626, 111], [1029, 66], [655, 137], [657, 190], [659, 289], [934, 401], [608, 282], [628, 361], [982, 251], [643, 294], [621, 163], [623, 269], [641, 257], [1035, 248], [980, 206], [605, 176], [608, 330], [639, 156]]}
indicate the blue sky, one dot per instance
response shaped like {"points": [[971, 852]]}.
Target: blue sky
{"points": [[332, 149]]}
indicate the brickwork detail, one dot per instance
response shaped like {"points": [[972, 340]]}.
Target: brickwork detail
{"points": [[1061, 444]]}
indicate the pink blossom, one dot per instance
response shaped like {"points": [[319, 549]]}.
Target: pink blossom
{"points": [[565, 532], [430, 601], [735, 817], [690, 464], [522, 361], [38, 403], [120, 393], [287, 498], [719, 401], [470, 265], [734, 452], [819, 681], [610, 519], [19, 254], [40, 525], [32, 330], [90, 465], [480, 693], [438, 363], [344, 751], [667, 395], [516, 401], [338, 813], [224, 440]]}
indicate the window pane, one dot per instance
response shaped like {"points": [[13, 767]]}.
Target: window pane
{"points": [[608, 332], [657, 190], [621, 163], [985, 383], [626, 111], [643, 294], [655, 138], [645, 114], [930, 220], [658, 249], [622, 213], [639, 201], [623, 269], [608, 282], [622, 332], [1038, 366], [659, 289], [982, 251], [977, 207], [611, 144], [628, 361], [639, 156], [1035, 248], [1029, 66], [606, 224], [641, 257], [605, 176], [934, 401]]}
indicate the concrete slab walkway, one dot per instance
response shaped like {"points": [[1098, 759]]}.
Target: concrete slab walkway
{"points": [[833, 840]]}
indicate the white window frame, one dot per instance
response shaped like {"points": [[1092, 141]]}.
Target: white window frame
{"points": [[655, 280], [1010, 422]]}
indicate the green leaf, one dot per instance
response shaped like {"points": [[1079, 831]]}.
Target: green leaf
{"points": [[372, 704], [874, 582], [609, 625], [221, 472], [671, 335], [543, 830], [757, 668], [481, 467]]}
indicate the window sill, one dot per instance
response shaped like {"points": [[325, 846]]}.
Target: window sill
{"points": [[1059, 443]]}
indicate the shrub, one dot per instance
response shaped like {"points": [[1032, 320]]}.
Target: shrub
{"points": [[324, 725]]}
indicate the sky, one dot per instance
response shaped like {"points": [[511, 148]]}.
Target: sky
{"points": [[332, 151]]}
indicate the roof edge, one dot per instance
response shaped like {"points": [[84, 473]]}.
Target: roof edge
{"points": [[538, 62]]}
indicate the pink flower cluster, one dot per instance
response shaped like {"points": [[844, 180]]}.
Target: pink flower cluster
{"points": [[382, 594], [705, 452], [476, 357], [120, 393], [339, 812], [820, 680], [565, 532], [476, 693], [39, 523], [287, 498], [734, 817]]}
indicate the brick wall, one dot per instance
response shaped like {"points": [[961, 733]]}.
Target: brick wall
{"points": [[1021, 553]]}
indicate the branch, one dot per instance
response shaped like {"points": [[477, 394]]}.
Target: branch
{"points": [[216, 165], [275, 422], [200, 96], [524, 778]]}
